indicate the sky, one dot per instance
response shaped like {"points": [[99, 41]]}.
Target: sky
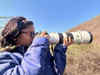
{"points": [[51, 15]]}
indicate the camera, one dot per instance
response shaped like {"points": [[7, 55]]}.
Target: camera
{"points": [[78, 37]]}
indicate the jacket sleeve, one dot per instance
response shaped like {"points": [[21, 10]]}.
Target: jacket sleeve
{"points": [[30, 63], [60, 58]]}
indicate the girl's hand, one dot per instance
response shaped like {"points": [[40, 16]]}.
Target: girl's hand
{"points": [[67, 41]]}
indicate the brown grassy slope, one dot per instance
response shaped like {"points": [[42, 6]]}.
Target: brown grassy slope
{"points": [[85, 59], [92, 26]]}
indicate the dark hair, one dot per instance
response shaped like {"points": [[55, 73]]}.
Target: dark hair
{"points": [[13, 29]]}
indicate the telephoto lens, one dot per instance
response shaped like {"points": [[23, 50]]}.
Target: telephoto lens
{"points": [[78, 37]]}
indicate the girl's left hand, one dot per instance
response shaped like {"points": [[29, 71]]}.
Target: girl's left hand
{"points": [[67, 41]]}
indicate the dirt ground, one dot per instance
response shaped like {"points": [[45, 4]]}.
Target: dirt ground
{"points": [[83, 60]]}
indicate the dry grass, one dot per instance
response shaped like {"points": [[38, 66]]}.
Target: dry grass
{"points": [[83, 60]]}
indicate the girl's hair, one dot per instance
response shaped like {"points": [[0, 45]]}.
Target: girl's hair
{"points": [[12, 30]]}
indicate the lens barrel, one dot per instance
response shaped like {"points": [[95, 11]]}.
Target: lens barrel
{"points": [[78, 37]]}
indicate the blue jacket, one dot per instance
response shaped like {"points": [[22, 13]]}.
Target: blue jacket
{"points": [[37, 60]]}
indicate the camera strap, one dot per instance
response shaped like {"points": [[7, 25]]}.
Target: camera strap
{"points": [[52, 47]]}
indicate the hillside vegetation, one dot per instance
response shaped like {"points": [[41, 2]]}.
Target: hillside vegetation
{"points": [[83, 60]]}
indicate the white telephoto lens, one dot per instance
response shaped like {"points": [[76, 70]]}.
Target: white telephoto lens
{"points": [[82, 37], [78, 37]]}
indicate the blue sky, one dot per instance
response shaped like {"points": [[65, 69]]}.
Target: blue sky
{"points": [[52, 15]]}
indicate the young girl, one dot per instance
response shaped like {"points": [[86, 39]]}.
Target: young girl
{"points": [[21, 54]]}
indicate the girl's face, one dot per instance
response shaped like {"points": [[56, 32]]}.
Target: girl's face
{"points": [[25, 37]]}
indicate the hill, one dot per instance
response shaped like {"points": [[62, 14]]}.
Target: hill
{"points": [[85, 59]]}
